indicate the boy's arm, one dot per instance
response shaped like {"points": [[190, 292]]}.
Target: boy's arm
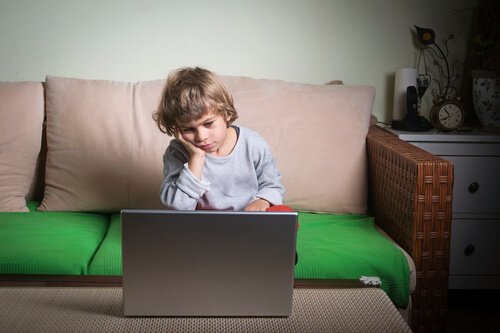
{"points": [[269, 178], [180, 189], [259, 205]]}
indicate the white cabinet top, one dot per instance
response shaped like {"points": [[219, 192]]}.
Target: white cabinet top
{"points": [[470, 136]]}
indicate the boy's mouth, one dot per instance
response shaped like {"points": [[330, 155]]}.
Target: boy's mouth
{"points": [[206, 147]]}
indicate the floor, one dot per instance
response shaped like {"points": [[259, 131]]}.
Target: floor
{"points": [[76, 309], [473, 311]]}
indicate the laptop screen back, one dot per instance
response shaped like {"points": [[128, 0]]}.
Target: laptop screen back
{"points": [[208, 263]]}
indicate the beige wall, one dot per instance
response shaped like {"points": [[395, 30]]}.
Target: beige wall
{"points": [[312, 41]]}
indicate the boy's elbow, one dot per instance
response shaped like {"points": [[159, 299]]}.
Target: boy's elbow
{"points": [[173, 202]]}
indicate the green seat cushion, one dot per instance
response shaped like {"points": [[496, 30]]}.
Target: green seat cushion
{"points": [[60, 243], [332, 246], [329, 246], [108, 259]]}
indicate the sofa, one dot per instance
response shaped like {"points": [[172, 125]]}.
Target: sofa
{"points": [[74, 152]]}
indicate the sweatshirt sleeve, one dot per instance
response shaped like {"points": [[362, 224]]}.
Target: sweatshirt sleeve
{"points": [[180, 189], [268, 176]]}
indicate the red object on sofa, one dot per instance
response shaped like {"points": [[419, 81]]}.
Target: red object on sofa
{"points": [[280, 208]]}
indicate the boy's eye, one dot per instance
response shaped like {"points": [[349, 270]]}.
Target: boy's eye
{"points": [[186, 130], [209, 124]]}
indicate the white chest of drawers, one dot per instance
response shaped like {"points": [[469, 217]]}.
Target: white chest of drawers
{"points": [[475, 231]]}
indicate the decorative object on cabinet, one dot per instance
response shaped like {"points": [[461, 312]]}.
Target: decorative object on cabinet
{"points": [[447, 114], [407, 98], [483, 59], [404, 78], [427, 39], [486, 101], [485, 37], [412, 121]]}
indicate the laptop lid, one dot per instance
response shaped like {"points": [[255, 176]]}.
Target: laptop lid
{"points": [[208, 263]]}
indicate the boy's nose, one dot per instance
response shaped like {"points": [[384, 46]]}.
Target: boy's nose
{"points": [[200, 136]]}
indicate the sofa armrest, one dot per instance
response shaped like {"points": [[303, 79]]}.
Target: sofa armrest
{"points": [[410, 196]]}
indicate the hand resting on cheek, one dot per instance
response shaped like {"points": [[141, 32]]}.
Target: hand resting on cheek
{"points": [[196, 155], [192, 149]]}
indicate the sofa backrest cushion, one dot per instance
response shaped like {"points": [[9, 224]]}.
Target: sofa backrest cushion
{"points": [[21, 124], [317, 134], [105, 151]]}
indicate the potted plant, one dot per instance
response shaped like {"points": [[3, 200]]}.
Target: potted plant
{"points": [[484, 59], [485, 46]]}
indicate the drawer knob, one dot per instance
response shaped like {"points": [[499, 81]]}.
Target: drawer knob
{"points": [[473, 187], [469, 250]]}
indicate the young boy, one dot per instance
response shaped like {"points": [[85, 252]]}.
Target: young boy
{"points": [[212, 164]]}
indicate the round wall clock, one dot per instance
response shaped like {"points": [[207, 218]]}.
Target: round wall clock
{"points": [[447, 114]]}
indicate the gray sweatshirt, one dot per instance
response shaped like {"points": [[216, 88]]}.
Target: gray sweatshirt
{"points": [[228, 183]]}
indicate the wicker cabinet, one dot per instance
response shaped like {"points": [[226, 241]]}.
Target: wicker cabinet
{"points": [[475, 230]]}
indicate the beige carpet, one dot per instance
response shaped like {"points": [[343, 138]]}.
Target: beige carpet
{"points": [[100, 310]]}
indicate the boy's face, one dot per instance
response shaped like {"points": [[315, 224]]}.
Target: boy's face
{"points": [[207, 132]]}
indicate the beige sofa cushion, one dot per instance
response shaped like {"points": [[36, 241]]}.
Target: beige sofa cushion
{"points": [[104, 149], [105, 152], [317, 133], [21, 124]]}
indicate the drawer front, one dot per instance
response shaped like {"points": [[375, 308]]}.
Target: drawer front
{"points": [[476, 187], [475, 247]]}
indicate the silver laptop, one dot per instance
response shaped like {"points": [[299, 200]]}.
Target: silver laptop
{"points": [[208, 263]]}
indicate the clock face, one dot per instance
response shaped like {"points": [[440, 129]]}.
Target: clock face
{"points": [[450, 115]]}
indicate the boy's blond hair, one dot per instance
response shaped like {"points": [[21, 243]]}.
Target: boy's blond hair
{"points": [[188, 93]]}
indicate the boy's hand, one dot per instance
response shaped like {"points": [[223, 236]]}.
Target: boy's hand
{"points": [[196, 155], [259, 205], [192, 149]]}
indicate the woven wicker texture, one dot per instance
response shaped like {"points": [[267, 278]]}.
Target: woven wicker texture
{"points": [[100, 310], [411, 199]]}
